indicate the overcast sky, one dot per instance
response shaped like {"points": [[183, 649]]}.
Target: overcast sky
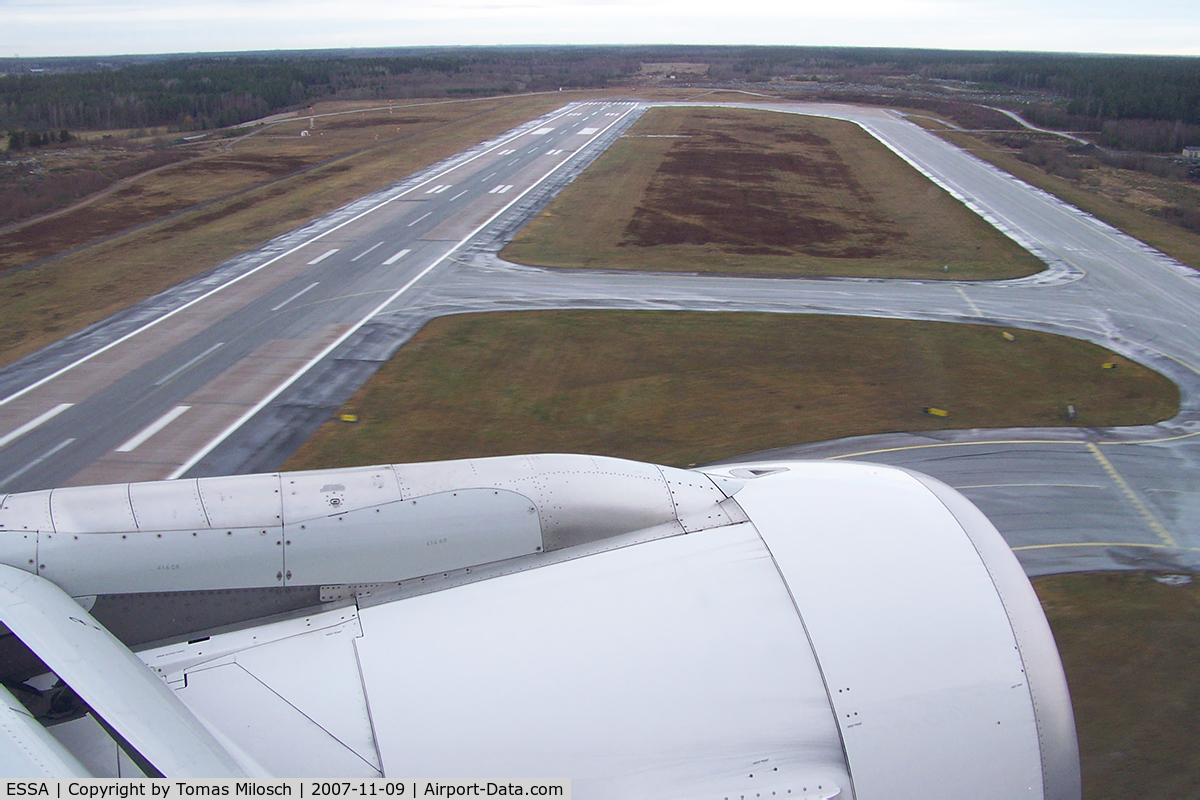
{"points": [[113, 27]]}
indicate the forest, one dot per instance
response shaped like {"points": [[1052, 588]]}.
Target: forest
{"points": [[1151, 104]]}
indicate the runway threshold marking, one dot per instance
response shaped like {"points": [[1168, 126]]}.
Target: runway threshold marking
{"points": [[319, 357], [1133, 498], [153, 428], [12, 436], [323, 256], [189, 363], [364, 252], [238, 278], [305, 290], [36, 461], [397, 257]]}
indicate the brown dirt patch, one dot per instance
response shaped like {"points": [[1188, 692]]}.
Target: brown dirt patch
{"points": [[742, 192]]}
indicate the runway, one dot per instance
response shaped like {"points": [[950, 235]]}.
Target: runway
{"points": [[149, 394], [234, 380]]}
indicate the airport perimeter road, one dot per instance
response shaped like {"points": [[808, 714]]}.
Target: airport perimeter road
{"points": [[147, 394]]}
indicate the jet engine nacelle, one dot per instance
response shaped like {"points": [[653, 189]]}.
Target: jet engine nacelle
{"points": [[820, 629]]}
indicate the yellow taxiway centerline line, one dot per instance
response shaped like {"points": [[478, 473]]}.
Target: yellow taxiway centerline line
{"points": [[1142, 508]]}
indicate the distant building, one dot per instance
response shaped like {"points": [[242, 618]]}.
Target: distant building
{"points": [[1191, 152]]}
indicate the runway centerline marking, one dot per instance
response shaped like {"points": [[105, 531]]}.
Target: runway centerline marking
{"points": [[1136, 501], [397, 257], [34, 423], [364, 252], [192, 361], [36, 461], [460, 194], [282, 387], [305, 290], [323, 256], [153, 428], [418, 219]]}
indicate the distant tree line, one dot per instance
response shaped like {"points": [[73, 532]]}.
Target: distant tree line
{"points": [[1149, 103], [19, 140], [1131, 102], [191, 93]]}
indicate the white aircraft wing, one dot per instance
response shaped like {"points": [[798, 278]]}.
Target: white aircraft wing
{"points": [[809, 629]]}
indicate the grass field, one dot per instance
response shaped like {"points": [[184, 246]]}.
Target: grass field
{"points": [[1129, 645], [753, 192], [682, 387], [269, 184]]}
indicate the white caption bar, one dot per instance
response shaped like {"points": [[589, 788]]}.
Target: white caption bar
{"points": [[380, 789]]}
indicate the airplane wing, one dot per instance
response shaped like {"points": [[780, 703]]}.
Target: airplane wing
{"points": [[818, 629]]}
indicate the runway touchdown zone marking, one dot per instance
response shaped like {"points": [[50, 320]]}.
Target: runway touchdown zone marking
{"points": [[153, 428], [36, 461], [34, 423], [397, 257], [322, 257]]}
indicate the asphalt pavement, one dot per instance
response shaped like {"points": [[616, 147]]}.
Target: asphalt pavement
{"points": [[239, 366]]}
